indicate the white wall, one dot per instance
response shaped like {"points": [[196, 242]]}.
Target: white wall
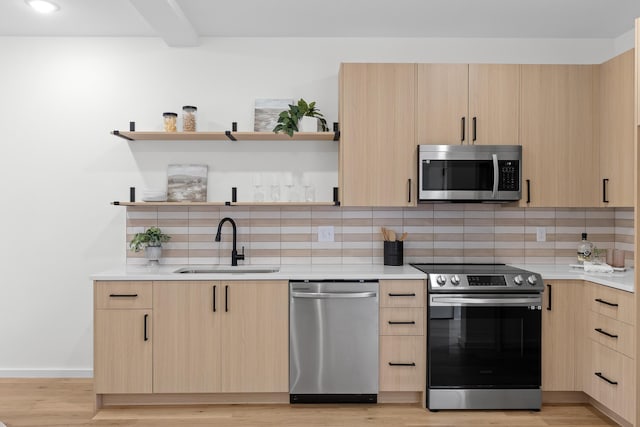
{"points": [[60, 167]]}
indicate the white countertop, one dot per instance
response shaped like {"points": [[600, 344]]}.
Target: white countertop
{"points": [[619, 280], [286, 272]]}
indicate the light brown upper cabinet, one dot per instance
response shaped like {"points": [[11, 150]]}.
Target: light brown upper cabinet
{"points": [[468, 103], [638, 71], [378, 153], [559, 150], [616, 133]]}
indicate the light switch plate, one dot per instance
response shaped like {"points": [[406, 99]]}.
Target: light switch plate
{"points": [[325, 233], [541, 234]]}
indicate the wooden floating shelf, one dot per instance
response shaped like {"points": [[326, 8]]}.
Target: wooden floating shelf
{"points": [[226, 136], [183, 204]]}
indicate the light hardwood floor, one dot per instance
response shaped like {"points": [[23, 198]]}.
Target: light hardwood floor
{"points": [[68, 402]]}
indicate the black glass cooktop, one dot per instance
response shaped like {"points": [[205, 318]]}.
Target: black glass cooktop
{"points": [[475, 269]]}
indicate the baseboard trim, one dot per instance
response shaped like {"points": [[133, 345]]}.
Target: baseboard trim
{"points": [[46, 373], [107, 400], [399, 397], [552, 397], [609, 413]]}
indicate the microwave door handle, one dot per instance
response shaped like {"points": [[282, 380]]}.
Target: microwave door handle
{"points": [[495, 175]]}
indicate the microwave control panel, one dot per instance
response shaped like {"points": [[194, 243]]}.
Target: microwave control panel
{"points": [[509, 171]]}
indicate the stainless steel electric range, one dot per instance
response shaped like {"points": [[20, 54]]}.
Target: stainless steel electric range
{"points": [[483, 337]]}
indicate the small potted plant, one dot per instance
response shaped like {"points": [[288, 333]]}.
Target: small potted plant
{"points": [[151, 241], [291, 120]]}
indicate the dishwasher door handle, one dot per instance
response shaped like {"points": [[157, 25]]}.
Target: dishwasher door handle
{"points": [[333, 295]]}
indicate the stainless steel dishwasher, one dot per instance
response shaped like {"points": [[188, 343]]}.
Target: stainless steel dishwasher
{"points": [[333, 340]]}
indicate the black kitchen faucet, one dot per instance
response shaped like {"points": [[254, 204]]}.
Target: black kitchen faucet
{"points": [[234, 253]]}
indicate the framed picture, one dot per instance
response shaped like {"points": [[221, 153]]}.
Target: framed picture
{"points": [[267, 111], [187, 183]]}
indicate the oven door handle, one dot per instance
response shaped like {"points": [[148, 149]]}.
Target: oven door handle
{"points": [[485, 300], [496, 175]]}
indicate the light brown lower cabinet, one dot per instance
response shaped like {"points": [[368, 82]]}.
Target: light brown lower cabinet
{"points": [[187, 341], [122, 351], [560, 340], [588, 343], [255, 337], [402, 363], [610, 380], [609, 374], [122, 334], [207, 337], [402, 336], [228, 337]]}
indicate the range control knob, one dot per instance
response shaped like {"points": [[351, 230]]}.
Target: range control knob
{"points": [[532, 280], [518, 280], [441, 280], [455, 280]]}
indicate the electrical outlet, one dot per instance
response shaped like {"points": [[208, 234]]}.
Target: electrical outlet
{"points": [[541, 234], [325, 233]]}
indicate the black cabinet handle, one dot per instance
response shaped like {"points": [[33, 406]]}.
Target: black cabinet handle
{"points": [[402, 295], [528, 191], [474, 130], [123, 295], [226, 298], [599, 375], [409, 184], [601, 301], [549, 302], [146, 338], [462, 121], [605, 333], [605, 181], [214, 298], [402, 364], [412, 322]]}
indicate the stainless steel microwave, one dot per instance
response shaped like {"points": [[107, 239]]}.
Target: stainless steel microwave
{"points": [[469, 173]]}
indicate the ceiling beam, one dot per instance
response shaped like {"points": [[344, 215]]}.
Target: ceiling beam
{"points": [[168, 20]]}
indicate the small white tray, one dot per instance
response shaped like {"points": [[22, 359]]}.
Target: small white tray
{"points": [[582, 266]]}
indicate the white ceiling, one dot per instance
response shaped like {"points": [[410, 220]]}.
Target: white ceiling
{"points": [[181, 22]]}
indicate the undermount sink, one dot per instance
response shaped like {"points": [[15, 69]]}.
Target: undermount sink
{"points": [[226, 270]]}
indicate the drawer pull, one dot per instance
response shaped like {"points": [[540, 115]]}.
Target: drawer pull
{"points": [[605, 333], [402, 295], [123, 295], [601, 301], [412, 322], [599, 375], [402, 364]]}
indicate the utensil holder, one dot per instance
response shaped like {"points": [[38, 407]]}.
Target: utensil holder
{"points": [[393, 252]]}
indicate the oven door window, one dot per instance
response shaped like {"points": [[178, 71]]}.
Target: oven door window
{"points": [[484, 347], [457, 175]]}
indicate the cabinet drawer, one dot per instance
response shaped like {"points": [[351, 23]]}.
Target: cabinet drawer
{"points": [[123, 295], [402, 363], [402, 293], [402, 321], [613, 303], [612, 333], [612, 378]]}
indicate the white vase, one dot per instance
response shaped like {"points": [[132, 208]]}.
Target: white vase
{"points": [[308, 124], [153, 254]]}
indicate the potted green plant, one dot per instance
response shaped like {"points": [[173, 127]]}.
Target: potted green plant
{"points": [[290, 121], [151, 241]]}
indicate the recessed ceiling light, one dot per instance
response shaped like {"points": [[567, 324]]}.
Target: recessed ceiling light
{"points": [[43, 6]]}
